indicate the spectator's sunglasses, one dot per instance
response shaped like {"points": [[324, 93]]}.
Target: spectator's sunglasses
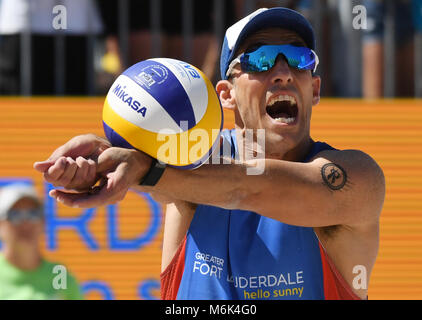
{"points": [[17, 216], [264, 58]]}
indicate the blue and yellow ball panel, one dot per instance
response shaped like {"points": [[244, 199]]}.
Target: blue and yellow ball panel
{"points": [[115, 139]]}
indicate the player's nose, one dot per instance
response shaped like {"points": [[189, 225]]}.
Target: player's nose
{"points": [[281, 71]]}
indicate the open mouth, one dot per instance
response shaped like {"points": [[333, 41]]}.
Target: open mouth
{"points": [[283, 109]]}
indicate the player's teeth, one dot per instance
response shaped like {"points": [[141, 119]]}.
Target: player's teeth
{"points": [[281, 98], [285, 120]]}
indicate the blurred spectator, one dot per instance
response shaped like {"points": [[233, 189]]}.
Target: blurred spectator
{"points": [[19, 17], [205, 45], [24, 273], [373, 48]]}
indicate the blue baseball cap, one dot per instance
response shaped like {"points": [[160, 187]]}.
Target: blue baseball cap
{"points": [[261, 19]]}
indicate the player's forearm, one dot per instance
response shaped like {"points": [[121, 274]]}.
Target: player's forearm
{"points": [[344, 188], [291, 192], [217, 185], [283, 188]]}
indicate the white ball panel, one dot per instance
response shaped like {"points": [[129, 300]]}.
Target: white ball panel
{"points": [[192, 82]]}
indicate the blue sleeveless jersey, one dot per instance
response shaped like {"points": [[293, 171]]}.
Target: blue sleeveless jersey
{"points": [[237, 254]]}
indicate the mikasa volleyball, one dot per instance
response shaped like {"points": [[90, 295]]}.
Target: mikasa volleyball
{"points": [[166, 108]]}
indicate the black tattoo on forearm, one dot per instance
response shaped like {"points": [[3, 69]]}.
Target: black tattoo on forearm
{"points": [[334, 176]]}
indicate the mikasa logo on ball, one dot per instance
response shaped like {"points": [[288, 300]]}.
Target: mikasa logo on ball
{"points": [[130, 101]]}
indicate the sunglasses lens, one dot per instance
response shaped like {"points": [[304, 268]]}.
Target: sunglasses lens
{"points": [[18, 216], [14, 217], [264, 58]]}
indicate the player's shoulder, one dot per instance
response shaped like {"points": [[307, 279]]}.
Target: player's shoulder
{"points": [[361, 173], [350, 157], [358, 161]]}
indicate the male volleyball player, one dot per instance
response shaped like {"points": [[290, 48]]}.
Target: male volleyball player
{"points": [[307, 228]]}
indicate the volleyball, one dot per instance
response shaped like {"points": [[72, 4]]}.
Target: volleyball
{"points": [[166, 108]]}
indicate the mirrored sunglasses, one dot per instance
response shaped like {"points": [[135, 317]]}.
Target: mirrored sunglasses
{"points": [[264, 58]]}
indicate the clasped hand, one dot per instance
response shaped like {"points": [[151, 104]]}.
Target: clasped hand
{"points": [[92, 172]]}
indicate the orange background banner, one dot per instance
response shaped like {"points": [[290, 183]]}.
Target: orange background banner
{"points": [[115, 251]]}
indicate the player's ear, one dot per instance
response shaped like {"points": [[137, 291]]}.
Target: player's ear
{"points": [[225, 92], [316, 89]]}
